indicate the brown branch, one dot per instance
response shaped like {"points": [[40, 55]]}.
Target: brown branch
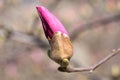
{"points": [[92, 68], [23, 38], [92, 24], [28, 39]]}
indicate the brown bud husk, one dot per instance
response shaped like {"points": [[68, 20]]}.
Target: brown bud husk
{"points": [[61, 48]]}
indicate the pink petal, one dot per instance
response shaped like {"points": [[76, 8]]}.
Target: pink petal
{"points": [[50, 23]]}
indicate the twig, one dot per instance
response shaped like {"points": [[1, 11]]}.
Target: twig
{"points": [[23, 38], [28, 39], [92, 68], [103, 21]]}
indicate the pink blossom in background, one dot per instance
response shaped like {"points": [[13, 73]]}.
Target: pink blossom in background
{"points": [[11, 70], [37, 56]]}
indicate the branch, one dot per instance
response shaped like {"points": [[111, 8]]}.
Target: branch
{"points": [[92, 68], [28, 39], [23, 38], [82, 27]]}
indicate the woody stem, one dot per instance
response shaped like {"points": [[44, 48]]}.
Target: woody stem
{"points": [[92, 68]]}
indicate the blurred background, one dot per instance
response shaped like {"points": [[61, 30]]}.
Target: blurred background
{"points": [[93, 26]]}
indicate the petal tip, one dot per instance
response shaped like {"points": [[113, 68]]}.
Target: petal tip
{"points": [[40, 8], [37, 7]]}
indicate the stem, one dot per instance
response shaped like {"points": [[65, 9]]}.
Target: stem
{"points": [[92, 68]]}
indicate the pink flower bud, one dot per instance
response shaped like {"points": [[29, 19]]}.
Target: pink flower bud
{"points": [[50, 23], [61, 46]]}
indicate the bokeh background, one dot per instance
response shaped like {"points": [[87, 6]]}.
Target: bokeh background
{"points": [[93, 26]]}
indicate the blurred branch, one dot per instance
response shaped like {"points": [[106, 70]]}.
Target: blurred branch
{"points": [[24, 38], [33, 40], [28, 39], [103, 21]]}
